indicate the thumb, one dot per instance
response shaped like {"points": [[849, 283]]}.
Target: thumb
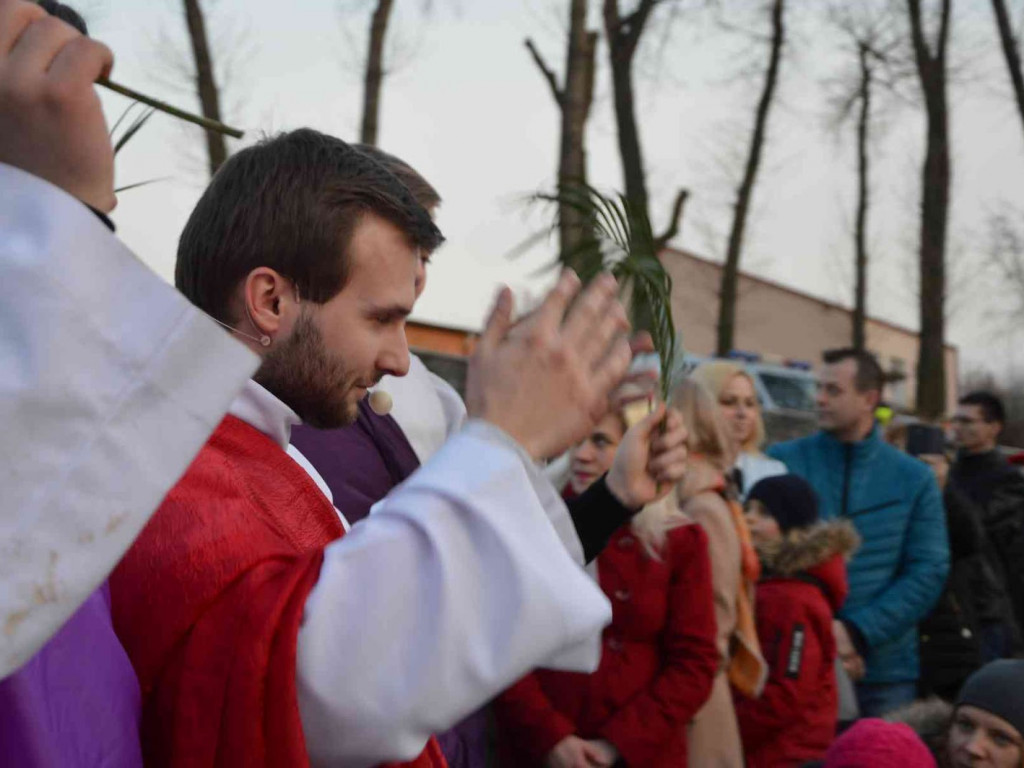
{"points": [[499, 321], [651, 421]]}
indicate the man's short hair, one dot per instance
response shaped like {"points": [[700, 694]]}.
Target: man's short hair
{"points": [[421, 189], [290, 203], [869, 378], [991, 406]]}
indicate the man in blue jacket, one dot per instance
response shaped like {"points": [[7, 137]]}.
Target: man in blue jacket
{"points": [[894, 502]]}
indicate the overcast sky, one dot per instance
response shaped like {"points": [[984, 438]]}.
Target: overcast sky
{"points": [[467, 107]]}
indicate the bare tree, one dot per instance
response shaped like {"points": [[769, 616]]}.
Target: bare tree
{"points": [[574, 99], [731, 269], [623, 34], [1006, 258], [871, 38], [206, 84], [1011, 52], [374, 73], [931, 63]]}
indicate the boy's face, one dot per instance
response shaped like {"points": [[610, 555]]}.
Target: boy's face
{"points": [[763, 527]]}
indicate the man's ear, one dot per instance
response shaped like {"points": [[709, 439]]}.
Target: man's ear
{"points": [[262, 293], [874, 397]]}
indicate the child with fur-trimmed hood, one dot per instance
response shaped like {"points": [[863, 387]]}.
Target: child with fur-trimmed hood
{"points": [[803, 585]]}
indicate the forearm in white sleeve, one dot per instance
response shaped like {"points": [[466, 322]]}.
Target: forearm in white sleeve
{"points": [[453, 589], [112, 381]]}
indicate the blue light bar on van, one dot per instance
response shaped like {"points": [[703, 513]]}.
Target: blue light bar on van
{"points": [[746, 357], [799, 365]]}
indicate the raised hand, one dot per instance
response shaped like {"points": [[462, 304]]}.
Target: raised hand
{"points": [[649, 461], [546, 381], [51, 122]]}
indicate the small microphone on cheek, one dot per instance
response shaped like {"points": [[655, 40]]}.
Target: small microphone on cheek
{"points": [[380, 402]]}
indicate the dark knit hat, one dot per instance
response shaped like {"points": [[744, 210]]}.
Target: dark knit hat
{"points": [[997, 688], [787, 498], [874, 743]]}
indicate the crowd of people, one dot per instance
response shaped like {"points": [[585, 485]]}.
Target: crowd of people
{"points": [[217, 553]]}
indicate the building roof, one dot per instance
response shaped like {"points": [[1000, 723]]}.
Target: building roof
{"points": [[768, 283]]}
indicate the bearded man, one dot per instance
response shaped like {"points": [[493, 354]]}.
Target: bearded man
{"points": [[236, 598]]}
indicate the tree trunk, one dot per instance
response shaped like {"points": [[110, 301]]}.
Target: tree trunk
{"points": [[1011, 53], [730, 272], [623, 35], [206, 85], [935, 180], [374, 72], [577, 97], [863, 200]]}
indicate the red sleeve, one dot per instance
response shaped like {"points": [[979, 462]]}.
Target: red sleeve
{"points": [[527, 720], [792, 650], [641, 729]]}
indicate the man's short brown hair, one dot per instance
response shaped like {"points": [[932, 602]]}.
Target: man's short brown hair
{"points": [[290, 203], [869, 378], [421, 189]]}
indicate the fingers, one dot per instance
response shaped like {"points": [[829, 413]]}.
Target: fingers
{"points": [[595, 319], [498, 322], [548, 317], [670, 466], [593, 343], [39, 44], [610, 372], [641, 343], [651, 421], [673, 435], [15, 17], [595, 756], [82, 61]]}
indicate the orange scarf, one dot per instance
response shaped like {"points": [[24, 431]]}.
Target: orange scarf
{"points": [[747, 668]]}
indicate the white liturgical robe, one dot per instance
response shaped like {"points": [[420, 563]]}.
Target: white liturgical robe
{"points": [[455, 587], [111, 382]]}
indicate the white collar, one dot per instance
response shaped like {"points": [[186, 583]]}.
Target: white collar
{"points": [[261, 409]]}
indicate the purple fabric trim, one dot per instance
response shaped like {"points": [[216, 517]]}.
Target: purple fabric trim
{"points": [[76, 703], [361, 464]]}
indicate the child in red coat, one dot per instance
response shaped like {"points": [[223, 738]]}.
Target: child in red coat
{"points": [[658, 657], [803, 584]]}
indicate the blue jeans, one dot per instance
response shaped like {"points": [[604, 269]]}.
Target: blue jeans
{"points": [[877, 699]]}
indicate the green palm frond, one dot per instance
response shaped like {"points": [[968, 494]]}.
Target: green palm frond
{"points": [[620, 240], [133, 128]]}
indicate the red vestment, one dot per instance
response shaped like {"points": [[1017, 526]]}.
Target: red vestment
{"points": [[209, 600]]}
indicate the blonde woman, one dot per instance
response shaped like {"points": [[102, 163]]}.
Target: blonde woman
{"points": [[714, 739], [658, 658], [733, 388]]}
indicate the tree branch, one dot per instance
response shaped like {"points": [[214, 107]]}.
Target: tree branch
{"points": [[674, 221], [944, 29], [922, 56], [632, 26], [545, 70]]}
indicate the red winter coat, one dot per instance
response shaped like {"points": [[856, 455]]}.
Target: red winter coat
{"points": [[657, 663], [804, 584]]}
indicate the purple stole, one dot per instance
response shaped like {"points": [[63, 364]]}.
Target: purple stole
{"points": [[361, 463], [76, 703]]}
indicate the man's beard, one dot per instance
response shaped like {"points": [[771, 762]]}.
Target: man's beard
{"points": [[302, 374]]}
